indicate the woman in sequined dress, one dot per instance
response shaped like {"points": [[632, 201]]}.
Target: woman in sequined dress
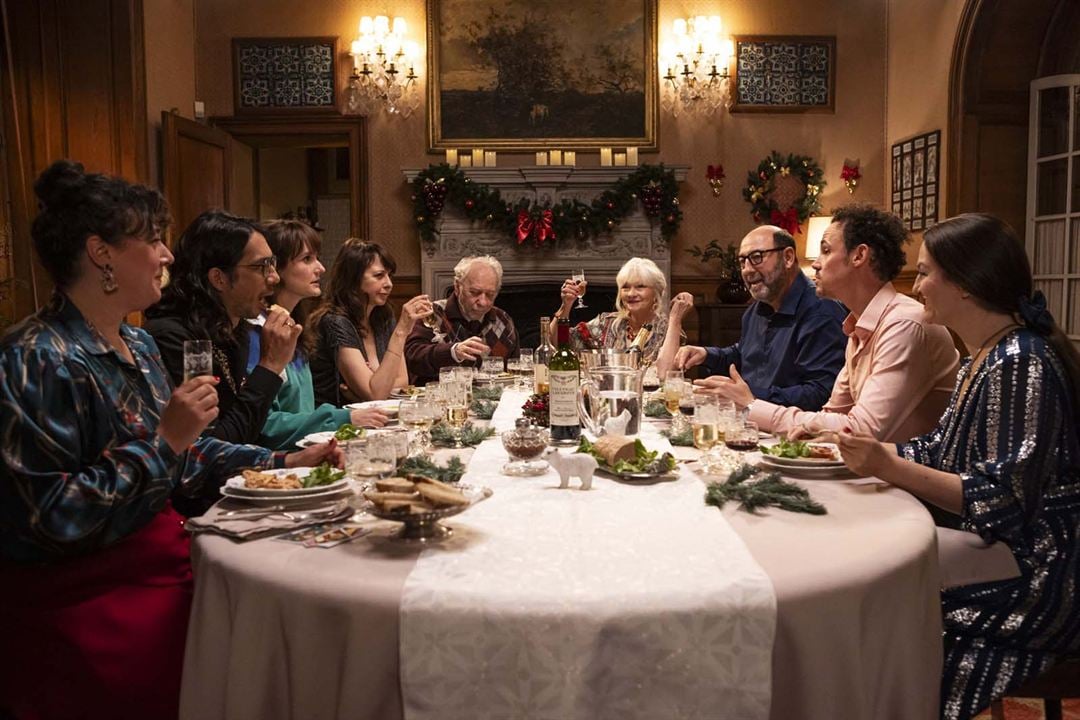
{"points": [[1002, 462]]}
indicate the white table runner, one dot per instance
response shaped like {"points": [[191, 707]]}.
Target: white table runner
{"points": [[622, 602]]}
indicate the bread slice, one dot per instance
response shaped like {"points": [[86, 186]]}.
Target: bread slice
{"points": [[441, 494], [412, 507], [384, 497], [396, 484]]}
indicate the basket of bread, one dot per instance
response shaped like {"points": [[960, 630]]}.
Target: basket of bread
{"points": [[419, 502]]}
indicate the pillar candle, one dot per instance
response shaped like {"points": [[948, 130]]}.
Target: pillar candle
{"points": [[605, 156], [631, 156], [478, 157], [620, 159], [465, 161], [541, 158], [570, 157], [555, 157], [451, 157], [489, 158]]}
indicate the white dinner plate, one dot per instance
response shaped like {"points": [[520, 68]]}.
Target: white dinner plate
{"points": [[235, 485], [390, 407], [292, 501], [809, 472], [316, 438], [807, 462], [400, 393]]}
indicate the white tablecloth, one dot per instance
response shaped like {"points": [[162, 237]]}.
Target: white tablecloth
{"points": [[619, 602]]}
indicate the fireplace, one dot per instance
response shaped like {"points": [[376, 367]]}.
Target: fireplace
{"points": [[532, 276]]}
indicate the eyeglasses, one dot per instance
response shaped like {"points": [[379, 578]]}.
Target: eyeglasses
{"points": [[267, 265], [757, 257]]}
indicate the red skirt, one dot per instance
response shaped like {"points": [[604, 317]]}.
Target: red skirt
{"points": [[98, 636]]}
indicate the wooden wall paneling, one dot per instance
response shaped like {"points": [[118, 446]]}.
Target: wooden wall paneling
{"points": [[74, 86], [196, 166]]}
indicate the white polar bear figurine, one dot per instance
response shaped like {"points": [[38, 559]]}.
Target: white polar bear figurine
{"points": [[581, 465]]}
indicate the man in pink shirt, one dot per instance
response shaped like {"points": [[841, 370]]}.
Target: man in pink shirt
{"points": [[899, 370]]}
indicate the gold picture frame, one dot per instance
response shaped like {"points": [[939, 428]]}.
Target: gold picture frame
{"points": [[556, 85]]}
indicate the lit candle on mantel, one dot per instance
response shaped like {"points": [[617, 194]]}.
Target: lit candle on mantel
{"points": [[465, 161], [620, 159], [451, 157], [489, 158], [555, 157], [541, 157], [478, 157], [631, 156], [570, 158], [605, 156]]}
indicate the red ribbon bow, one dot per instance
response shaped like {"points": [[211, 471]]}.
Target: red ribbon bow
{"points": [[539, 227], [788, 220]]}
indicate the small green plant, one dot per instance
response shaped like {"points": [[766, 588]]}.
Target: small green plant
{"points": [[731, 287]]}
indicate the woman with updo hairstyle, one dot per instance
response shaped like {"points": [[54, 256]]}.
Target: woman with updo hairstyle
{"points": [[1003, 462], [355, 343], [94, 561]]}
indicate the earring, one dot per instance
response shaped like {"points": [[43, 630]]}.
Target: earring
{"points": [[108, 280]]}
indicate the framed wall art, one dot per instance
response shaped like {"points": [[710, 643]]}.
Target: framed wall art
{"points": [[785, 74], [916, 170], [533, 74], [283, 75]]}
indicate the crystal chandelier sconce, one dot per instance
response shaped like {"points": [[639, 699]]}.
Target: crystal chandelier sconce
{"points": [[695, 66], [384, 69]]}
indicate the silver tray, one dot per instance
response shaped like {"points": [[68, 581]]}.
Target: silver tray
{"points": [[425, 527]]}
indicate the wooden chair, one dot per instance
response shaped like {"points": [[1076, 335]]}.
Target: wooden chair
{"points": [[1059, 682]]}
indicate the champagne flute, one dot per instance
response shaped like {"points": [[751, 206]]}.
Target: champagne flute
{"points": [[578, 276]]}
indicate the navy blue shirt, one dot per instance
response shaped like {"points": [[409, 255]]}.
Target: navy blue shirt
{"points": [[789, 356]]}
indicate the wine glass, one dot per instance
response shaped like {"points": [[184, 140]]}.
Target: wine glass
{"points": [[742, 438], [705, 426], [457, 408], [524, 367], [578, 276], [417, 416]]}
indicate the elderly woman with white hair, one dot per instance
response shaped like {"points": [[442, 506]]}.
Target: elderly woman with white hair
{"points": [[641, 302]]}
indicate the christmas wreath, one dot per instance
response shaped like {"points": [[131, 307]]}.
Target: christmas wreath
{"points": [[526, 220], [785, 190]]}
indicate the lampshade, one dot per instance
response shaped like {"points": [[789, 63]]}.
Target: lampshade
{"points": [[814, 232]]}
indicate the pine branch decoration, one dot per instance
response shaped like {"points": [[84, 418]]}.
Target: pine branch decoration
{"points": [[451, 472], [769, 490], [490, 392], [471, 436], [680, 439], [483, 409]]}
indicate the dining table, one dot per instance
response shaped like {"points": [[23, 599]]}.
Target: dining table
{"points": [[633, 599]]}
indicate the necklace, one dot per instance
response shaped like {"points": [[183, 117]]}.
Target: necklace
{"points": [[987, 344]]}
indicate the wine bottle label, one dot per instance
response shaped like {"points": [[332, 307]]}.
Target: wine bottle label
{"points": [[563, 400]]}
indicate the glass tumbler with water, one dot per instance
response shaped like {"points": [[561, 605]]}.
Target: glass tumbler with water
{"points": [[198, 358]]}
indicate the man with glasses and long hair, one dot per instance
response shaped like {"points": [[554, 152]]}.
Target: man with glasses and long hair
{"points": [[792, 343], [899, 369], [224, 273]]}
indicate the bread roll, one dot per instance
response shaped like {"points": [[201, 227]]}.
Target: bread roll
{"points": [[614, 448], [440, 494], [396, 484]]}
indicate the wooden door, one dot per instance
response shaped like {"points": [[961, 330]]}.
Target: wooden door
{"points": [[197, 168]]}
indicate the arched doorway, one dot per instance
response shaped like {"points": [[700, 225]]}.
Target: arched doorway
{"points": [[1001, 46]]}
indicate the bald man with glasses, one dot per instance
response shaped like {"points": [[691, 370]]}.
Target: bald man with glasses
{"points": [[792, 343]]}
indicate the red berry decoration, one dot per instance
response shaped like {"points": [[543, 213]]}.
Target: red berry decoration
{"points": [[652, 197], [469, 204], [434, 196]]}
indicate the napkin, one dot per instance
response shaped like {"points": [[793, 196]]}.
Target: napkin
{"points": [[254, 525]]}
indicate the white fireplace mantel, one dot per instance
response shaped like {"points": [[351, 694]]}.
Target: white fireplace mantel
{"points": [[457, 236]]}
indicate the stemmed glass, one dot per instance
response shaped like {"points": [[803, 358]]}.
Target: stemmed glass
{"points": [[742, 437], [417, 415], [578, 276], [524, 367], [705, 425], [457, 408]]}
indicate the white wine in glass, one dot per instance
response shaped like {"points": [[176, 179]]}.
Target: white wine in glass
{"points": [[578, 277], [456, 415], [705, 435]]}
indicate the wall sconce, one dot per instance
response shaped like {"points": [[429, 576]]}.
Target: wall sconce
{"points": [[815, 230], [695, 67], [384, 69]]}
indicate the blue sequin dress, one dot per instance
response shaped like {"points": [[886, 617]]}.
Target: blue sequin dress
{"points": [[1012, 437]]}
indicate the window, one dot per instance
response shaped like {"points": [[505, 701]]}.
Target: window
{"points": [[1053, 212]]}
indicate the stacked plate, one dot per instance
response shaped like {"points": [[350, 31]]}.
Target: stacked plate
{"points": [[390, 407], [808, 467], [287, 497]]}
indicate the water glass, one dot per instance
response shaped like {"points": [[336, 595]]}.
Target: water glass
{"points": [[446, 374], [525, 368], [673, 390], [198, 358], [743, 437], [371, 456], [492, 366], [417, 416]]}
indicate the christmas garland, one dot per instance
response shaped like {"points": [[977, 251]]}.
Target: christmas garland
{"points": [[761, 184], [652, 185]]}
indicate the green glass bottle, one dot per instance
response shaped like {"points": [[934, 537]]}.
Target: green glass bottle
{"points": [[564, 379]]}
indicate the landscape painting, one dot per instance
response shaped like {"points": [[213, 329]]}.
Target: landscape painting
{"points": [[534, 74]]}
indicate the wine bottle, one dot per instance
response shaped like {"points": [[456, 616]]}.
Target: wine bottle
{"points": [[564, 377], [542, 358], [637, 345]]}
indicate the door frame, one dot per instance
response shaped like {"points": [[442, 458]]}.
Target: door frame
{"points": [[250, 130]]}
